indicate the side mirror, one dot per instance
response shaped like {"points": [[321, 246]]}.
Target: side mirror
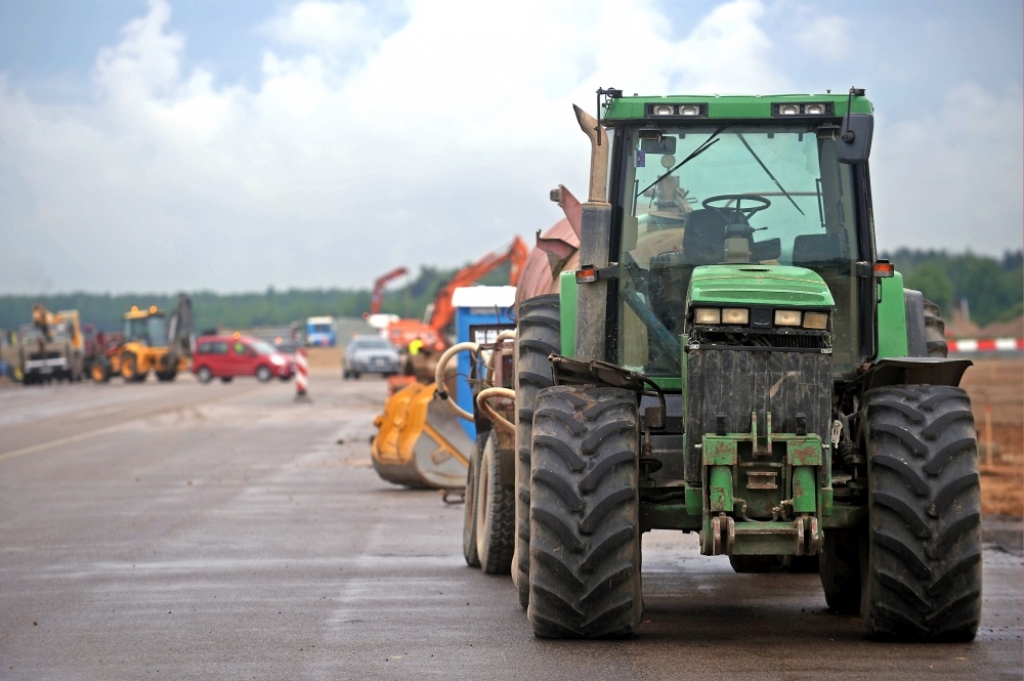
{"points": [[854, 143]]}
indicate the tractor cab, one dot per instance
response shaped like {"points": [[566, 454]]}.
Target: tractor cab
{"points": [[759, 194], [147, 327]]}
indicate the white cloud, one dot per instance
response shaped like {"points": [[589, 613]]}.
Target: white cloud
{"points": [[361, 149], [325, 26]]}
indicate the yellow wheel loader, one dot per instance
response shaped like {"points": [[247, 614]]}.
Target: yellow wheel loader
{"points": [[151, 340]]}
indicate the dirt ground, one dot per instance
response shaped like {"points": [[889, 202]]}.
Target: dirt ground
{"points": [[996, 387], [321, 359]]}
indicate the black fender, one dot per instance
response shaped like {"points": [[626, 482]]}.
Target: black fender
{"points": [[914, 371]]}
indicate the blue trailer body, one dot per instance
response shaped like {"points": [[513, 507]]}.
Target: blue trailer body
{"points": [[479, 322]]}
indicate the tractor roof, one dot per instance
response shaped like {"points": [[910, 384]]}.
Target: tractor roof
{"points": [[731, 107]]}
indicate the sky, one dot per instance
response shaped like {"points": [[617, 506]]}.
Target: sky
{"points": [[184, 145]]}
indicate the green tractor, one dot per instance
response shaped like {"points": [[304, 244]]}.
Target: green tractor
{"points": [[733, 359]]}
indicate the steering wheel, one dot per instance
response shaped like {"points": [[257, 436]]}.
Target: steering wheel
{"points": [[760, 203]]}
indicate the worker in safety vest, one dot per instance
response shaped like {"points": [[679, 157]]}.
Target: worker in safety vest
{"points": [[414, 349]]}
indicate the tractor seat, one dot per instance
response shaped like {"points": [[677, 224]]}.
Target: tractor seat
{"points": [[704, 238], [819, 251]]}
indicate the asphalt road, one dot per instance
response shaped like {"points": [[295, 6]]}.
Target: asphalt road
{"points": [[225, 531]]}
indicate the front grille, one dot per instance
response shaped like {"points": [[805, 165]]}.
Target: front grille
{"points": [[732, 384], [794, 340], [787, 340]]}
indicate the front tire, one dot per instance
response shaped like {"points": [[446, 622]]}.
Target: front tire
{"points": [[538, 334], [100, 370], [495, 513], [130, 368], [585, 514], [166, 376], [469, 551], [923, 578], [263, 374], [204, 374]]}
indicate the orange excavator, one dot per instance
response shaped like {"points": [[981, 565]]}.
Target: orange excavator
{"points": [[441, 312], [377, 297], [515, 255]]}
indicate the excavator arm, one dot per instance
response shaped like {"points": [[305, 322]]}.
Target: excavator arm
{"points": [[181, 334], [515, 254], [378, 288]]}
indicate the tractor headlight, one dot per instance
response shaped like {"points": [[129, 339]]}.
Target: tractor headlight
{"points": [[789, 109], [816, 320], [787, 317], [735, 315], [664, 110], [707, 315], [814, 109], [689, 110]]}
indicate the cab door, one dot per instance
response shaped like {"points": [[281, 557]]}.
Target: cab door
{"points": [[219, 360], [243, 359]]}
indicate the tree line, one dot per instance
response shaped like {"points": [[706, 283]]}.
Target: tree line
{"points": [[992, 287], [243, 310]]}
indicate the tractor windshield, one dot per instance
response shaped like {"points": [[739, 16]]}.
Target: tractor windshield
{"points": [[151, 330], [729, 194]]}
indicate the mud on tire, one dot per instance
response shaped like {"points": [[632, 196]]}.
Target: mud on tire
{"points": [[584, 514], [537, 336], [923, 580]]}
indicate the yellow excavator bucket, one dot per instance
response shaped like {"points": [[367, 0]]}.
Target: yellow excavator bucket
{"points": [[420, 442]]}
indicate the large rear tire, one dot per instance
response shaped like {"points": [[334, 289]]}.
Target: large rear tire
{"points": [[923, 577], [841, 565], [934, 331], [495, 513], [743, 565], [585, 514], [538, 334]]}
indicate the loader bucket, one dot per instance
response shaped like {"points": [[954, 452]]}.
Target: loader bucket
{"points": [[420, 442]]}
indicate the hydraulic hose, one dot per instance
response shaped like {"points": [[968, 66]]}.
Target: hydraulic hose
{"points": [[439, 373], [499, 341], [495, 417]]}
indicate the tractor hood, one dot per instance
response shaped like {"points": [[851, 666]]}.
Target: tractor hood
{"points": [[759, 285]]}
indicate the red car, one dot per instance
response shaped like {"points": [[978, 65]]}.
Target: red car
{"points": [[225, 357]]}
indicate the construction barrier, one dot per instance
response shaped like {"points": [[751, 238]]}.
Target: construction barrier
{"points": [[986, 345], [301, 373]]}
